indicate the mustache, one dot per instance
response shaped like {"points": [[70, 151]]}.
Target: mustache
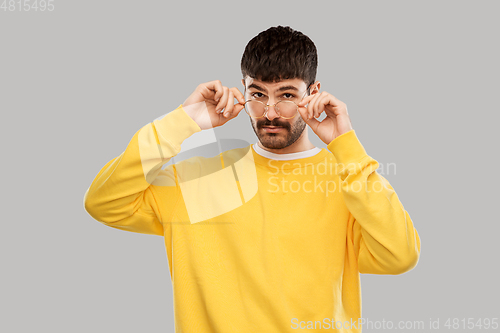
{"points": [[272, 123]]}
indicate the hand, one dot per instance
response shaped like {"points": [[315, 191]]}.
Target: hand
{"points": [[337, 121], [206, 104]]}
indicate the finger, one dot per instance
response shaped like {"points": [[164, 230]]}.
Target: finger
{"points": [[303, 112], [239, 96], [315, 104], [305, 100], [222, 100], [313, 123], [334, 101], [319, 105], [236, 110], [216, 88], [342, 109], [229, 105], [322, 103], [310, 107]]}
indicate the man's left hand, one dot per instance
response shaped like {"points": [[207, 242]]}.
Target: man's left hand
{"points": [[337, 121]]}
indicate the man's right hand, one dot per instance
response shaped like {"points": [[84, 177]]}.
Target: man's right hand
{"points": [[206, 104]]}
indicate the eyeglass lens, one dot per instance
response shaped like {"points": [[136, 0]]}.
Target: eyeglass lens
{"points": [[286, 109]]}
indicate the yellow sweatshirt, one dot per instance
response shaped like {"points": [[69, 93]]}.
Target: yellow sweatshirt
{"points": [[256, 244]]}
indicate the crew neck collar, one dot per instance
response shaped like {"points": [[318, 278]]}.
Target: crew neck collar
{"points": [[287, 161], [285, 157]]}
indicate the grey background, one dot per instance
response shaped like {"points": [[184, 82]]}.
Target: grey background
{"points": [[421, 83]]}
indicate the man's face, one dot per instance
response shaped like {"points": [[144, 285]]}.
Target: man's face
{"points": [[270, 93]]}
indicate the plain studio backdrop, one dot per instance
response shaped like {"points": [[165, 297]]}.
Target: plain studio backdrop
{"points": [[420, 80]]}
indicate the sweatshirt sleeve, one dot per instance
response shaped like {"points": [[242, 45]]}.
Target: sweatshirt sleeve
{"points": [[123, 195], [383, 234]]}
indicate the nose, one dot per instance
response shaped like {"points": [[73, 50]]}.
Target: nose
{"points": [[271, 110], [271, 113]]}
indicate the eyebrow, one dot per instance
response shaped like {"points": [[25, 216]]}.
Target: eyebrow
{"points": [[256, 86]]}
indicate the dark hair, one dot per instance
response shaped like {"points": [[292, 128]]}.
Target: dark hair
{"points": [[280, 53]]}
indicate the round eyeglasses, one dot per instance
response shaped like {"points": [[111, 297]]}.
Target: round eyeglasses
{"points": [[285, 109]]}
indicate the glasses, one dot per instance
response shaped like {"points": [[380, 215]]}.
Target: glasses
{"points": [[285, 109]]}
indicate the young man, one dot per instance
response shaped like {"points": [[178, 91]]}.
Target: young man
{"points": [[271, 237]]}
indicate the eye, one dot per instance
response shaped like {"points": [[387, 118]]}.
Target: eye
{"points": [[288, 96], [257, 93]]}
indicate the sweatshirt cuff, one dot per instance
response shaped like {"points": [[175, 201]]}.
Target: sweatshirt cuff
{"points": [[176, 126], [346, 148]]}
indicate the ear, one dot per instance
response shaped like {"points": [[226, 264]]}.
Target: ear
{"points": [[315, 87], [243, 82]]}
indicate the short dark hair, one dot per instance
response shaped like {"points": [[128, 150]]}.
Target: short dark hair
{"points": [[280, 53]]}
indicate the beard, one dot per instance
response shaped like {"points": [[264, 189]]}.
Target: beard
{"points": [[284, 138]]}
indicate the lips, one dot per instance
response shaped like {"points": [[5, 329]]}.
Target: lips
{"points": [[272, 129]]}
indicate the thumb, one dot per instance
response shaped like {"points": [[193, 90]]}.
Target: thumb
{"points": [[313, 123]]}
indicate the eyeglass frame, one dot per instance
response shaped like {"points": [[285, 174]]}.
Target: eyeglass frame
{"points": [[266, 106]]}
